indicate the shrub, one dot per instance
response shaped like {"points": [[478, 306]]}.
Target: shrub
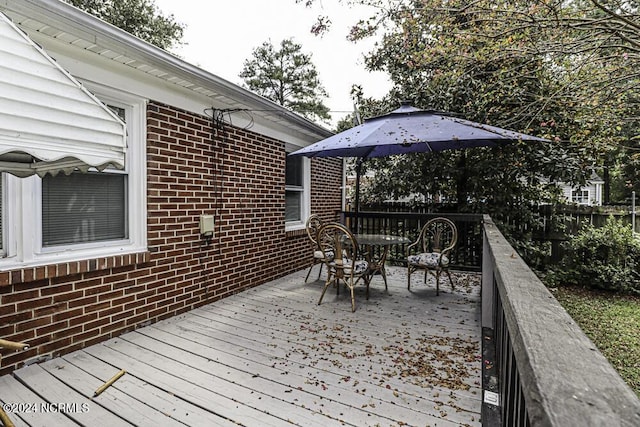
{"points": [[605, 257]]}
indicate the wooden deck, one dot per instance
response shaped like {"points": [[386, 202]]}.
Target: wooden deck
{"points": [[271, 356]]}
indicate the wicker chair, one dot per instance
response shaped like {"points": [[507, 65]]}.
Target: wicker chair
{"points": [[431, 252], [345, 262], [314, 222]]}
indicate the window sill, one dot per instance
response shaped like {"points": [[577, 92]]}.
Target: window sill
{"points": [[31, 274], [295, 226]]}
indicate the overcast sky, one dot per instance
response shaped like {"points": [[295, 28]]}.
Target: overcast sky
{"points": [[220, 35]]}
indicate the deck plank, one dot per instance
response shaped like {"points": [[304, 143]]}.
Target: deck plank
{"points": [[282, 395], [271, 356], [337, 344], [13, 391], [415, 308], [189, 384], [112, 399], [440, 316], [146, 394], [55, 391], [341, 367], [328, 384], [272, 316], [285, 327]]}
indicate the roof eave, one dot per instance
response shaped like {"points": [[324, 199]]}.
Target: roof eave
{"points": [[114, 38]]}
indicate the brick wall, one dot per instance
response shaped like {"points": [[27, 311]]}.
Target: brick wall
{"points": [[326, 187], [193, 169]]}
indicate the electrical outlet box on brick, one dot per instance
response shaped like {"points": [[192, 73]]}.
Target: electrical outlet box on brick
{"points": [[206, 225]]}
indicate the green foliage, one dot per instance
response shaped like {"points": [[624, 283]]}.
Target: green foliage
{"points": [[612, 322], [607, 257], [140, 18], [288, 77], [566, 71]]}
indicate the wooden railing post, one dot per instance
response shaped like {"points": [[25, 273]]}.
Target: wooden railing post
{"points": [[487, 276]]}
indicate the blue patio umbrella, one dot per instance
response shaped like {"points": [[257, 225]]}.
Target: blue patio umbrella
{"points": [[408, 130]]}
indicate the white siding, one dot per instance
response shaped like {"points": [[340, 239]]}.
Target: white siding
{"points": [[592, 192], [47, 114]]}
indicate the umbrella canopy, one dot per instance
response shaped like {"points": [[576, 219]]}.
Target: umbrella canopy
{"points": [[410, 130]]}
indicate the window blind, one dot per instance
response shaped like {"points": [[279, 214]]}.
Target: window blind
{"points": [[293, 205], [81, 208], [294, 171]]}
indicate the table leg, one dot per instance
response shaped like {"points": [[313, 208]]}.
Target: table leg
{"points": [[377, 264]]}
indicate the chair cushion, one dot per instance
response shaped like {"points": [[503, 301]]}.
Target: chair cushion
{"points": [[319, 255], [360, 266], [428, 259]]}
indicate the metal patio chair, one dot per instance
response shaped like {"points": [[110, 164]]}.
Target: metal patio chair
{"points": [[344, 261], [314, 222], [431, 252]]}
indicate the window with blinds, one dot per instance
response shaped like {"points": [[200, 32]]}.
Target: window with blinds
{"points": [[83, 207], [84, 215]]}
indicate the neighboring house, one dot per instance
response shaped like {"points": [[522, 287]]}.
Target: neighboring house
{"points": [[88, 255], [589, 194]]}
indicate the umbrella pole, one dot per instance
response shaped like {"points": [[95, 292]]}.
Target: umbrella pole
{"points": [[358, 173]]}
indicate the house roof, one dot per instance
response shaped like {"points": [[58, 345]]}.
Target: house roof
{"points": [[60, 22], [49, 122]]}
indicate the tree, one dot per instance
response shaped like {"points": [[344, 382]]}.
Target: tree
{"points": [[288, 77], [519, 64], [563, 70], [140, 18]]}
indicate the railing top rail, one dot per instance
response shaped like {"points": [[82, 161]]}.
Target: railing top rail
{"points": [[566, 381], [379, 214]]}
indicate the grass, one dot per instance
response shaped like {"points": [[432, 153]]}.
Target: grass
{"points": [[612, 322]]}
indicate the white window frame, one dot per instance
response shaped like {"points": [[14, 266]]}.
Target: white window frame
{"points": [[22, 202], [305, 203], [4, 201], [581, 192]]}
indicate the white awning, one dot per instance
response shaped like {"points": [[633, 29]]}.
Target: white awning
{"points": [[49, 122]]}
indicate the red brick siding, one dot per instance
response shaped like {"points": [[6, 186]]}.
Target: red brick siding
{"points": [[326, 187], [193, 169]]}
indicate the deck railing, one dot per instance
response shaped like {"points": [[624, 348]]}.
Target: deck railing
{"points": [[539, 369], [467, 254]]}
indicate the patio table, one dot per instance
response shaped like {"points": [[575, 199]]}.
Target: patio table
{"points": [[377, 258]]}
